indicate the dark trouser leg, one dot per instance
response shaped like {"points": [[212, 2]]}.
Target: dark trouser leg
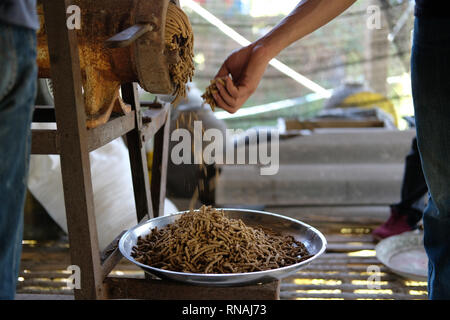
{"points": [[431, 92], [414, 187], [17, 90]]}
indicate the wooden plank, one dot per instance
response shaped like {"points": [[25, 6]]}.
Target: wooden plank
{"points": [[348, 261], [350, 287], [337, 276], [138, 156], [44, 141], [314, 124], [47, 141], [127, 288], [159, 165], [347, 258], [346, 247], [45, 273], [350, 296], [43, 265], [339, 238], [111, 256], [342, 268], [38, 282], [75, 164], [154, 119], [150, 104], [113, 129], [344, 220], [37, 290], [58, 297]]}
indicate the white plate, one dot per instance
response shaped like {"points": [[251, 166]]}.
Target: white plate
{"points": [[405, 255]]}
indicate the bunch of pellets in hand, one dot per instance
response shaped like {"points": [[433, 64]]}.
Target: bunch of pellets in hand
{"points": [[212, 88]]}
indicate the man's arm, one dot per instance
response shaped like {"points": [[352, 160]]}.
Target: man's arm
{"points": [[247, 65]]}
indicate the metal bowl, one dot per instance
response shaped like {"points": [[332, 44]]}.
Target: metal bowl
{"points": [[314, 241]]}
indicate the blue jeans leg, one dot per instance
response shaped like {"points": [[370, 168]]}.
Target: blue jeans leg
{"points": [[430, 74], [18, 73]]}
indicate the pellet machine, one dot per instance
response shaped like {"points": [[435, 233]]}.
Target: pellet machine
{"points": [[122, 41]]}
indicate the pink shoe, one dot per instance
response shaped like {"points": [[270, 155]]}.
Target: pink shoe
{"points": [[396, 224]]}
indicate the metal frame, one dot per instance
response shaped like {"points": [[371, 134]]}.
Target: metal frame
{"points": [[73, 142]]}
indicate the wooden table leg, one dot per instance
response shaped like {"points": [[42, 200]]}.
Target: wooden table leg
{"points": [[159, 168], [127, 288], [75, 165], [138, 156]]}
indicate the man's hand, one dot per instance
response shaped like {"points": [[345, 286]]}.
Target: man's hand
{"points": [[246, 66]]}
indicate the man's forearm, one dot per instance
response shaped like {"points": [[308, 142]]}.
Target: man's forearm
{"points": [[248, 64], [308, 16]]}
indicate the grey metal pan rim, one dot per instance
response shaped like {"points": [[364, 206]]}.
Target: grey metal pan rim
{"points": [[312, 238]]}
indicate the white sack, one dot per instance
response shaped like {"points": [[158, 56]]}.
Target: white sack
{"points": [[115, 209]]}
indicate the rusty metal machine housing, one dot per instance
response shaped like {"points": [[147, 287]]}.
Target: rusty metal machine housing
{"points": [[139, 55]]}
